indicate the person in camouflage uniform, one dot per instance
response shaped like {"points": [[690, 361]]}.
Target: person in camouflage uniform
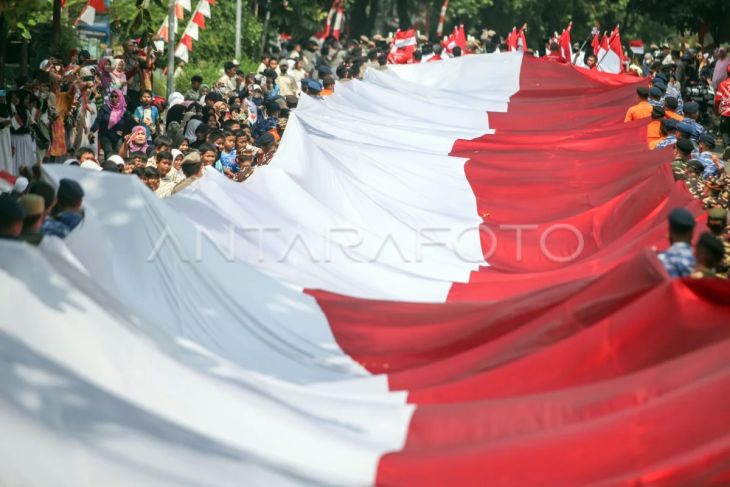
{"points": [[716, 192], [682, 153], [694, 181], [717, 223]]}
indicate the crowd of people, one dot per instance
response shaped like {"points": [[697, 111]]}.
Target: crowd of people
{"points": [[107, 115]]}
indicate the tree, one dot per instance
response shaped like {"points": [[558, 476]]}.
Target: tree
{"points": [[15, 18]]}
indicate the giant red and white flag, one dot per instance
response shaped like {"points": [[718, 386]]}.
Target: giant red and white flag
{"points": [[470, 294]]}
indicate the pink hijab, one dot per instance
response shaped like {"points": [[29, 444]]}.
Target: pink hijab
{"points": [[133, 146], [117, 109]]}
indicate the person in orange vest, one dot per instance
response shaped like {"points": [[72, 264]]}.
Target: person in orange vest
{"points": [[328, 86], [641, 109], [670, 108], [669, 133], [653, 130]]}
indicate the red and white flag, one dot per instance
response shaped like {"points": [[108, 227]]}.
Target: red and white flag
{"points": [[610, 54], [637, 46], [471, 297], [327, 30], [566, 48], [339, 22], [404, 45], [88, 13]]}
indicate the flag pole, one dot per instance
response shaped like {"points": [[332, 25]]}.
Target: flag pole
{"points": [[238, 29], [594, 31], [170, 47]]}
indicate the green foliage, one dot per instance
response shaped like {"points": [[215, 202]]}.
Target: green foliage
{"points": [[218, 40], [209, 70], [22, 15]]}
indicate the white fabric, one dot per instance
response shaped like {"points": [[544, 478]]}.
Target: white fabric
{"points": [[369, 163], [197, 359], [6, 149], [609, 61]]}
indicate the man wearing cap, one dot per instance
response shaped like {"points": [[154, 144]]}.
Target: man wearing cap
{"points": [[717, 223], [641, 109], [713, 165], [678, 259], [691, 111], [682, 154], [287, 83], [192, 168], [34, 207], [68, 213], [722, 107], [11, 217], [709, 254], [653, 130], [668, 130], [328, 86]]}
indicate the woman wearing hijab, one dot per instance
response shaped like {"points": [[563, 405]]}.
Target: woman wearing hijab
{"points": [[105, 69], [112, 123], [118, 76], [135, 142]]}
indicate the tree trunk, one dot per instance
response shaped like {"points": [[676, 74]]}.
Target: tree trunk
{"points": [[56, 26], [404, 16], [359, 18], [373, 15], [24, 59], [3, 43]]}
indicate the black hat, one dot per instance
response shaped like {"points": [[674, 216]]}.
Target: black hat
{"points": [[671, 102], [708, 140], [681, 219], [669, 124], [685, 145], [685, 128], [265, 139], [70, 192], [691, 107], [642, 91], [272, 106], [323, 68], [10, 210], [695, 164], [655, 92], [711, 243], [657, 112]]}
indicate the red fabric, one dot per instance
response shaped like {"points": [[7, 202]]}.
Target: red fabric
{"points": [[187, 41], [199, 20], [512, 39], [597, 371], [615, 45], [404, 45], [595, 43], [98, 6], [565, 45]]}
